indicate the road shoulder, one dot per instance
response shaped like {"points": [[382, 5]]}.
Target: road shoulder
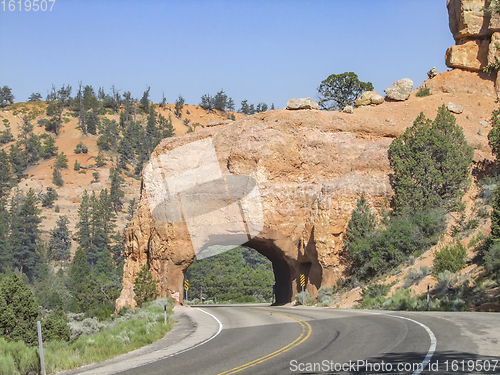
{"points": [[192, 328]]}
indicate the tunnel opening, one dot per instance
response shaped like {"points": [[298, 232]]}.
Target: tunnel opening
{"points": [[232, 274], [281, 269]]}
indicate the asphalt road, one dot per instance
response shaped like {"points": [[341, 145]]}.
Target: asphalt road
{"points": [[285, 340]]}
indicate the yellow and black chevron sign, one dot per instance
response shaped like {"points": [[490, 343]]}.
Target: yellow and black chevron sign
{"points": [[302, 280], [186, 284]]}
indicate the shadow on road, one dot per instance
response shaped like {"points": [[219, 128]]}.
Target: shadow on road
{"points": [[445, 362]]}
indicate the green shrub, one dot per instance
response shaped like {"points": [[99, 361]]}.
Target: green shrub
{"points": [[492, 260], [376, 290], [49, 198], [450, 258], [415, 275], [325, 301], [18, 358], [244, 299], [57, 177], [403, 299], [404, 235], [311, 301], [424, 91], [81, 148], [446, 281], [302, 299], [55, 327]]}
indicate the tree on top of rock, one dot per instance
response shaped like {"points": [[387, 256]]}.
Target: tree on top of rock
{"points": [[340, 90], [431, 163]]}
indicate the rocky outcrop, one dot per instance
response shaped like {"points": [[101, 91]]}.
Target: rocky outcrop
{"points": [[217, 123], [368, 98], [432, 73], [301, 103], [310, 167], [471, 55], [455, 108], [400, 90], [473, 28], [348, 109], [468, 19]]}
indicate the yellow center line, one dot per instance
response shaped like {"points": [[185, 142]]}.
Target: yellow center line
{"points": [[299, 340]]}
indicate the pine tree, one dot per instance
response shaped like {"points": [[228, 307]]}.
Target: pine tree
{"points": [[145, 286], [207, 103], [18, 311], [220, 101], [5, 174], [494, 133], [17, 162], [28, 221], [60, 240], [54, 124], [165, 127], [83, 225], [360, 228], [6, 135], [245, 109], [61, 161], [230, 104], [33, 149], [6, 96], [55, 327], [361, 224], [109, 135], [115, 190], [5, 243], [57, 177], [152, 132], [49, 198], [179, 104], [495, 215], [144, 103], [49, 149], [79, 280], [131, 209]]}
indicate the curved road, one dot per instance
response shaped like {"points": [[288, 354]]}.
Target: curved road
{"points": [[284, 340]]}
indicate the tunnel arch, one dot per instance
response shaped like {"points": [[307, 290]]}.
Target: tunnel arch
{"points": [[289, 260]]}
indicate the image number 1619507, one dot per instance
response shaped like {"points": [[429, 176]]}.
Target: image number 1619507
{"points": [[27, 5]]}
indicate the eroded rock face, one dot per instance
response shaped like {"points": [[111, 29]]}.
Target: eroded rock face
{"points": [[301, 103], [310, 166], [400, 90], [368, 98], [472, 55], [473, 29]]}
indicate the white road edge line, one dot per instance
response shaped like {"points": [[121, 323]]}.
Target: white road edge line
{"points": [[203, 342], [185, 350], [432, 348]]}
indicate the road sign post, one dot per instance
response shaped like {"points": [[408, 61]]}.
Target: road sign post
{"points": [[165, 313], [428, 298], [40, 346], [303, 284], [186, 288]]}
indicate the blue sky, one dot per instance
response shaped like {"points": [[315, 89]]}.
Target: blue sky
{"points": [[263, 51]]}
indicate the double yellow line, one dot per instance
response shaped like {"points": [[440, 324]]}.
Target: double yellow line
{"points": [[299, 340]]}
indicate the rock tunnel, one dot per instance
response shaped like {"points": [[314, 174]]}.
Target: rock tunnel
{"points": [[309, 176]]}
